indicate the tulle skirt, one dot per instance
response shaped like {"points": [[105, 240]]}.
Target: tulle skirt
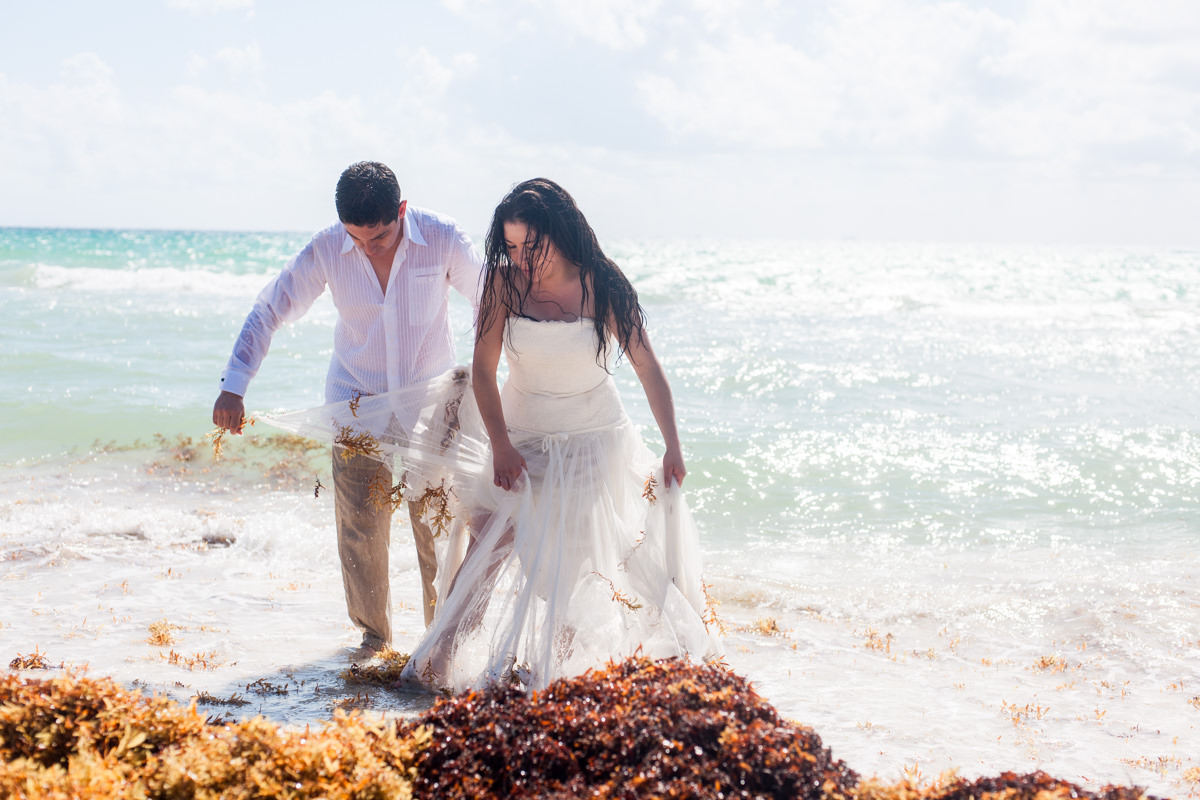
{"points": [[590, 558]]}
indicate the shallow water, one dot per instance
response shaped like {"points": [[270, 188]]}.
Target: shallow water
{"points": [[949, 496]]}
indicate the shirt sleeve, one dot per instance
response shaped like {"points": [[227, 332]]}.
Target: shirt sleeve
{"points": [[466, 268], [285, 299]]}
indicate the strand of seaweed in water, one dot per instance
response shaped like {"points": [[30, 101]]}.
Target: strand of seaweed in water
{"points": [[217, 435], [618, 595]]}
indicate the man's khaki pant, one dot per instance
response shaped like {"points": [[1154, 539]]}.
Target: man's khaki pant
{"points": [[364, 534]]}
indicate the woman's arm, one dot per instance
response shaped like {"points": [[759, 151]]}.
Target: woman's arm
{"points": [[507, 463], [662, 405]]}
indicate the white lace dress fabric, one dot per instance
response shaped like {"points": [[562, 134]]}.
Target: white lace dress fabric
{"points": [[590, 559]]}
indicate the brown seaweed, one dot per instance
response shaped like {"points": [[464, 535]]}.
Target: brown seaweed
{"points": [[640, 728], [450, 412], [355, 443], [35, 660], [436, 499], [648, 489], [217, 435], [383, 670], [383, 494], [669, 729], [617, 595]]}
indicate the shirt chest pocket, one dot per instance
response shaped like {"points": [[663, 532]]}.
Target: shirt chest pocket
{"points": [[426, 295]]}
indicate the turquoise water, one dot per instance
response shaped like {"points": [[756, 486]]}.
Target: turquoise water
{"points": [[989, 454], [115, 335]]}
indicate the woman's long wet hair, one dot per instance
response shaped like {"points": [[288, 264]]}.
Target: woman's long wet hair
{"points": [[551, 214]]}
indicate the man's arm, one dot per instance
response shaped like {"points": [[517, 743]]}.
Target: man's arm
{"points": [[283, 300], [466, 269]]}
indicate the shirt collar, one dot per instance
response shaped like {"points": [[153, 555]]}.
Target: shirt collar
{"points": [[411, 233]]}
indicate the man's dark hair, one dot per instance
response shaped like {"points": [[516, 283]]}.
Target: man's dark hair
{"points": [[367, 194]]}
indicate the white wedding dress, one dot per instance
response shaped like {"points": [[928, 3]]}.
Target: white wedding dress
{"points": [[591, 558]]}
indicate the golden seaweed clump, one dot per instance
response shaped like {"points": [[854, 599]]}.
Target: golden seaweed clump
{"points": [[74, 737], [162, 633], [217, 435], [436, 499], [218, 441], [352, 443], [35, 660], [648, 488], [712, 620], [383, 494], [764, 626], [384, 670]]}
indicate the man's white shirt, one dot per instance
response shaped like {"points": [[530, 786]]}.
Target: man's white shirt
{"points": [[383, 340]]}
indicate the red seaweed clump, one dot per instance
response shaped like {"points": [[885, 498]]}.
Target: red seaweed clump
{"points": [[640, 728], [1005, 786], [1034, 785]]}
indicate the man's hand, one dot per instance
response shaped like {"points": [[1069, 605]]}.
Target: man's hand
{"points": [[229, 412]]}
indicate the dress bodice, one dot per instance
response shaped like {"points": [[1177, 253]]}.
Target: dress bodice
{"points": [[556, 384]]}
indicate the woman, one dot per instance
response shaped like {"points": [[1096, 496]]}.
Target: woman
{"points": [[582, 548]]}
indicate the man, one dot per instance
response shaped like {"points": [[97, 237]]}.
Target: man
{"points": [[388, 267]]}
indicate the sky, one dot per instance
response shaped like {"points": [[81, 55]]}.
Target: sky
{"points": [[1011, 121]]}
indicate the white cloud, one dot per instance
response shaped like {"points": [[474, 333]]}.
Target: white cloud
{"points": [[205, 6], [223, 149], [66, 124], [196, 64], [843, 117], [715, 15], [240, 65], [87, 68], [456, 6], [619, 24], [752, 90], [883, 75], [241, 61], [231, 135], [428, 76], [1069, 82], [1096, 77]]}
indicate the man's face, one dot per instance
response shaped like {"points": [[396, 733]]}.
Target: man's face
{"points": [[376, 240]]}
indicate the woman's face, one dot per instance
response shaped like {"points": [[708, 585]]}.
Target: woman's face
{"points": [[525, 252]]}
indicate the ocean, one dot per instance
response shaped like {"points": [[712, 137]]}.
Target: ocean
{"points": [[949, 495]]}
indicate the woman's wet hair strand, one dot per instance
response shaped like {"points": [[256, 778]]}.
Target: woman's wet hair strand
{"points": [[550, 213]]}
